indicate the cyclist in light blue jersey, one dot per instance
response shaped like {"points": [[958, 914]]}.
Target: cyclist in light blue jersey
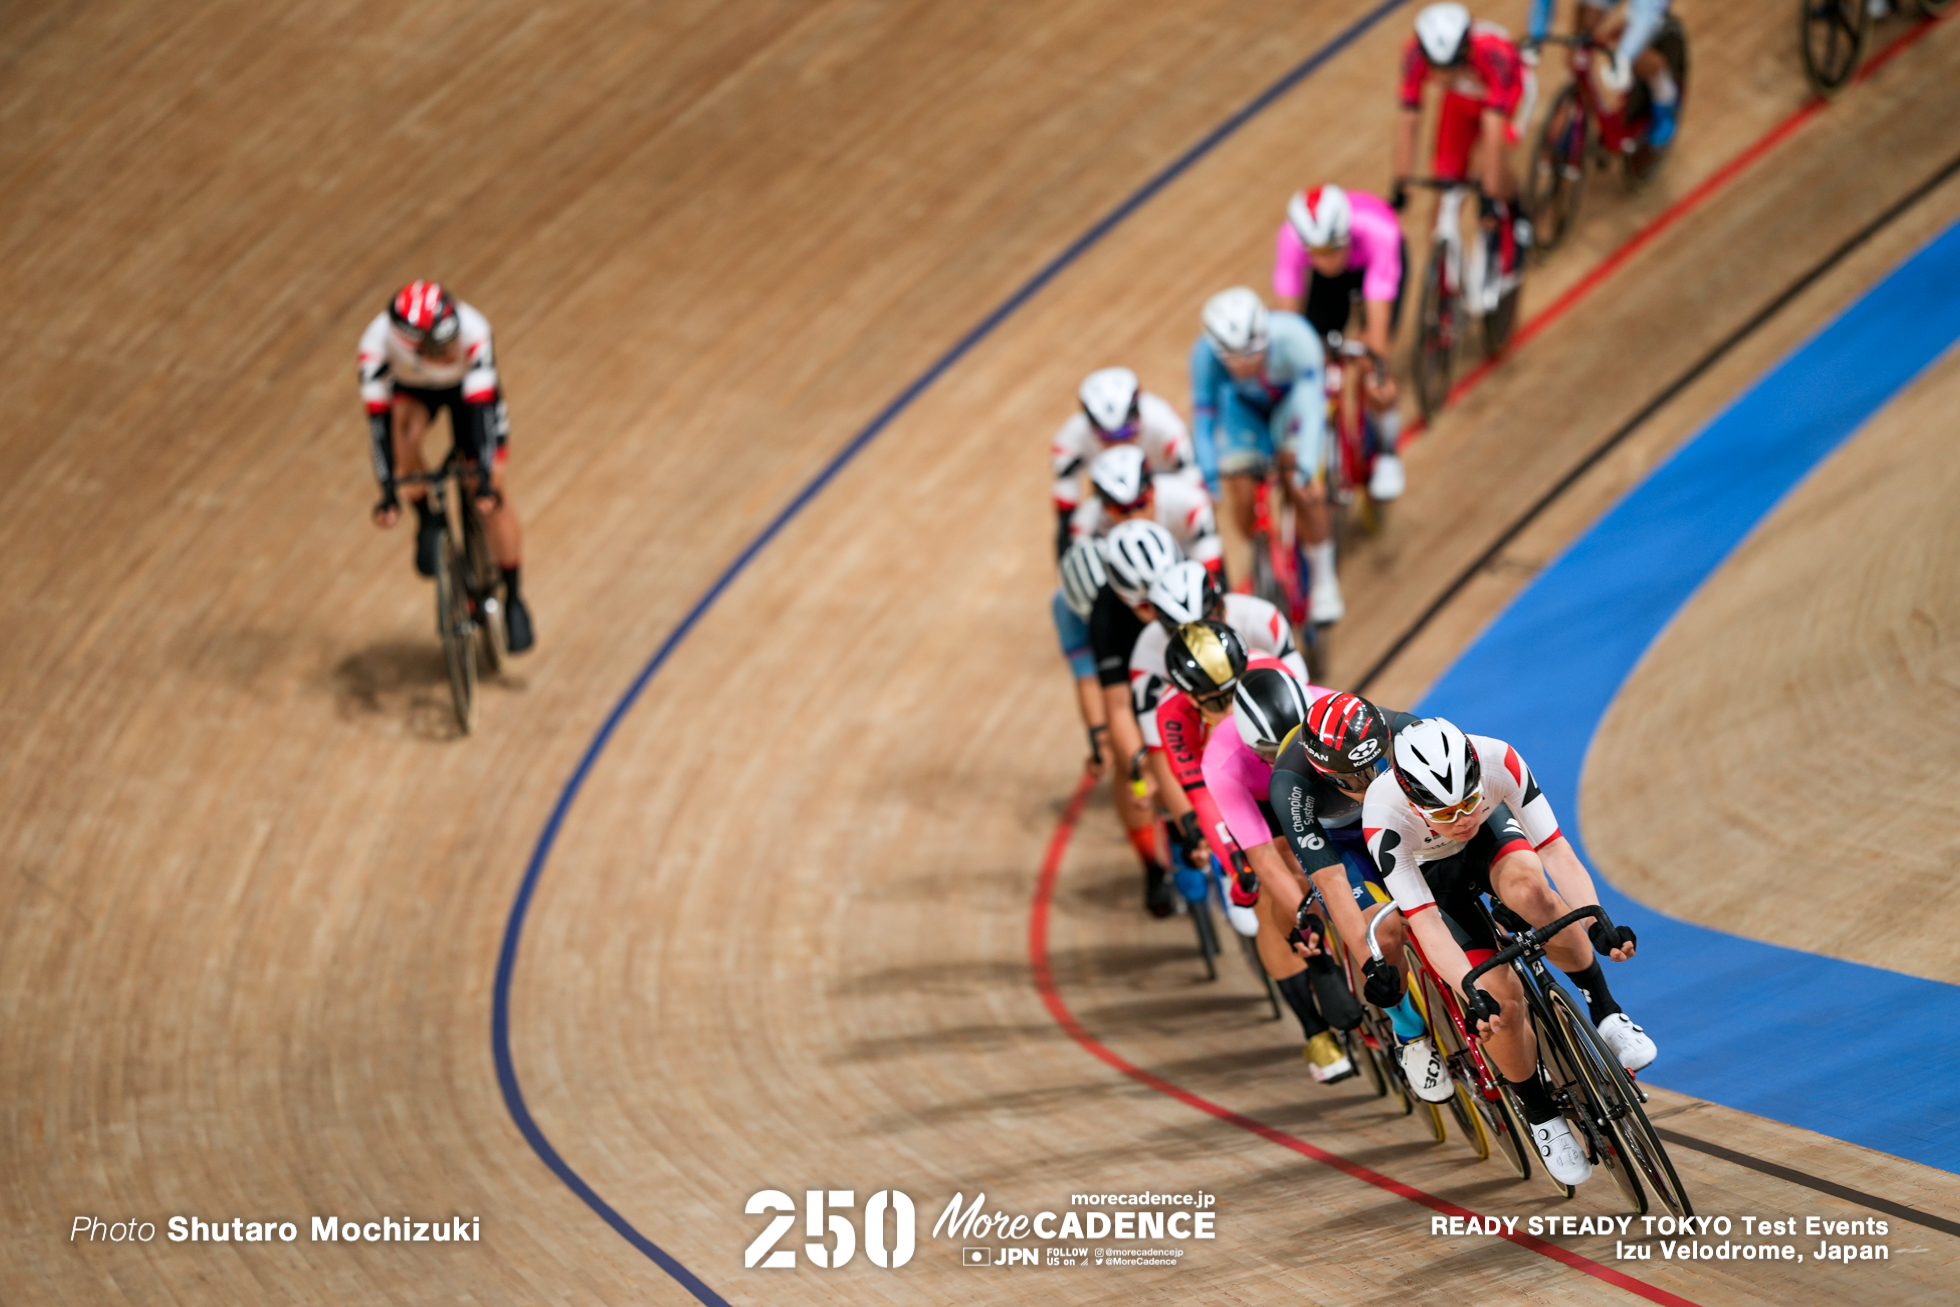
{"points": [[1259, 397], [1632, 53]]}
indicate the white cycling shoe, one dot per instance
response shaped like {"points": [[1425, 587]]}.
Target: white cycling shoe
{"points": [[1563, 1157], [1387, 481], [1628, 1041], [1244, 920], [1422, 1067]]}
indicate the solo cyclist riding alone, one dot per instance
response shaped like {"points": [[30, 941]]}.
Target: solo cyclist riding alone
{"points": [[429, 353]]}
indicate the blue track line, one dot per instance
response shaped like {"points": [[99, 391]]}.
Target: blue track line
{"points": [[1854, 1052], [514, 927]]}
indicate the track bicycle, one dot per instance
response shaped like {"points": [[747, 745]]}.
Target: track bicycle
{"points": [[1597, 1096], [1579, 130], [1373, 1044], [1460, 286], [1353, 439], [1280, 572], [1833, 34], [1249, 945], [469, 586], [1486, 1112]]}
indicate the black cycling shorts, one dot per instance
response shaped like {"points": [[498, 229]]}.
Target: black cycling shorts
{"points": [[467, 421], [1330, 300]]}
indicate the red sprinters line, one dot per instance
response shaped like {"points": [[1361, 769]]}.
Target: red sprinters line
{"points": [[1646, 236], [1044, 979]]}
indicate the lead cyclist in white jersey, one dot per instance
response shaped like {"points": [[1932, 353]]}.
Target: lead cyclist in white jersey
{"points": [[426, 353]]}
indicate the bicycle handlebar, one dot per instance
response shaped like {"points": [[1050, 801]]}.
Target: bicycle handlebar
{"points": [[1374, 947], [1444, 184], [1534, 940]]}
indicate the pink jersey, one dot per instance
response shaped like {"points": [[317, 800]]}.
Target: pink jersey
{"points": [[1240, 781], [1375, 245]]}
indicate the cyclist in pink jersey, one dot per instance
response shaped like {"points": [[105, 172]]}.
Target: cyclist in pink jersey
{"points": [[1335, 246], [1268, 704]]}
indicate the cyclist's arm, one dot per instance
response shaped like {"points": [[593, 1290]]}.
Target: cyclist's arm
{"points": [[1292, 799], [1278, 876], [1291, 269], [1494, 124], [1206, 373], [1407, 124], [378, 397]]}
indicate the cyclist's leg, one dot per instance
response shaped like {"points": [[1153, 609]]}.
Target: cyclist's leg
{"points": [[409, 418], [1244, 451], [1073, 633], [1300, 427]]}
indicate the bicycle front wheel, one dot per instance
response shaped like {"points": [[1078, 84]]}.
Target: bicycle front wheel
{"points": [[1832, 35], [1558, 170], [1596, 1096], [458, 632], [1207, 929], [1435, 353], [485, 590], [1644, 1149]]}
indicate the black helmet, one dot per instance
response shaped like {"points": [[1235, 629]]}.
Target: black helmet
{"points": [[1347, 738], [1205, 660], [1269, 706]]}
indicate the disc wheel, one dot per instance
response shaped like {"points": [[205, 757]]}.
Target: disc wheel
{"points": [[1507, 1130], [1557, 179], [458, 633], [1436, 325], [1832, 35]]}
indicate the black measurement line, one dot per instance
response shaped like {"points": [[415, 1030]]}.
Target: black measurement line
{"points": [[1809, 1181]]}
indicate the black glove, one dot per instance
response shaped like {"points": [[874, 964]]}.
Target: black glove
{"points": [[1095, 743], [1195, 852], [1308, 932], [1488, 206], [1383, 985], [1398, 196], [1605, 941], [389, 500], [1479, 1006]]}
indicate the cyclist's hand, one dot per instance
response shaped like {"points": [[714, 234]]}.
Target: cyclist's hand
{"points": [[1384, 983], [388, 511], [1097, 764], [1529, 53], [1398, 196], [1486, 1011], [1308, 936], [1196, 854], [1245, 889], [489, 499], [1381, 388], [1617, 944]]}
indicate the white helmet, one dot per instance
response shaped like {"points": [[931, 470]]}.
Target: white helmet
{"points": [[1235, 321], [1110, 402], [1119, 475], [1184, 593], [1435, 765], [1443, 31], [1136, 553], [1321, 217], [1082, 576], [1268, 706]]}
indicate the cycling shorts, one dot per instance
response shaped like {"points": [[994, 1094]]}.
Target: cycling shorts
{"points": [[1364, 880], [1330, 300], [1074, 635], [1461, 879], [1248, 439], [465, 419], [1459, 125]]}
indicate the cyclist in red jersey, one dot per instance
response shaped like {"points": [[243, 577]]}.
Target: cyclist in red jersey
{"points": [[1483, 76]]}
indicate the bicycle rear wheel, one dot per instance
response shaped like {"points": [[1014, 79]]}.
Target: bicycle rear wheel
{"points": [[458, 633], [1436, 325], [1207, 929], [1558, 170], [1364, 1054], [1591, 1084], [1832, 34], [485, 590]]}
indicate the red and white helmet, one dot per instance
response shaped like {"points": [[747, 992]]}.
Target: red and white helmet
{"points": [[1111, 401], [1321, 217], [424, 312]]}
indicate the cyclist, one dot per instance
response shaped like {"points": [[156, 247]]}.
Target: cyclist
{"points": [[1267, 704], [1204, 660], [1484, 78], [1115, 410], [1318, 782], [1337, 246], [1632, 54], [1186, 592], [426, 353], [1258, 398], [1127, 490], [1455, 817], [1134, 554], [1083, 578]]}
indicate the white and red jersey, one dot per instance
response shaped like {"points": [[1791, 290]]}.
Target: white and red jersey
{"points": [[1161, 434], [1261, 627], [1182, 507], [388, 359], [1400, 841]]}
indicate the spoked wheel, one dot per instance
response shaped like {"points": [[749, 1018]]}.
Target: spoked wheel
{"points": [[1436, 328], [458, 632], [1558, 170], [1595, 1100], [1644, 1150], [1832, 35], [1207, 928], [485, 592]]}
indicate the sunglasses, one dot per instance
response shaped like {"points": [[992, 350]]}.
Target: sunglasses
{"points": [[1355, 782], [1218, 701], [1455, 812]]}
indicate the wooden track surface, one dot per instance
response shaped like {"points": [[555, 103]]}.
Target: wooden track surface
{"points": [[254, 888]]}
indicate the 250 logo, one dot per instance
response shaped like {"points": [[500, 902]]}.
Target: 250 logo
{"points": [[819, 1220]]}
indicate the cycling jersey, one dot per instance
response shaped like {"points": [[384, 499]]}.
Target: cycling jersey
{"points": [[389, 359], [1644, 19], [1374, 250], [1261, 627], [1113, 630], [1181, 507], [1161, 434], [1491, 74], [1316, 814], [1182, 728], [1238, 426], [1401, 842], [1241, 782]]}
